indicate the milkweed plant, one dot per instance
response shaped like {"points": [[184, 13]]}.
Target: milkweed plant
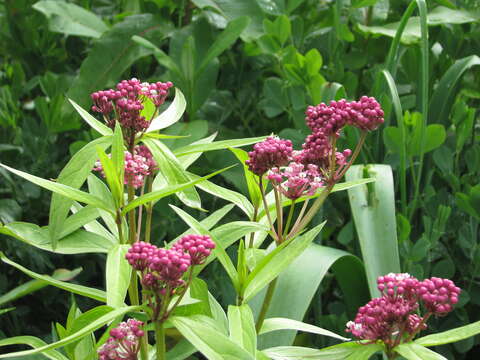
{"points": [[155, 305]]}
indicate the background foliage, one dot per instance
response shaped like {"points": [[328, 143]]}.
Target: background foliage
{"points": [[292, 53]]}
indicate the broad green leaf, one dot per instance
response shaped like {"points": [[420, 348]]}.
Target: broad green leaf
{"points": [[71, 19], [74, 175], [274, 324], [171, 115], [444, 94], [181, 351], [223, 42], [94, 226], [61, 189], [172, 172], [78, 242], [434, 137], [112, 178], [73, 288], [97, 187], [242, 327], [219, 252], [209, 341], [169, 190], [117, 272], [306, 274], [34, 285], [78, 335], [413, 351], [450, 336], [195, 301], [217, 145], [90, 120], [373, 209], [278, 260], [234, 197], [336, 352], [218, 314], [80, 217], [33, 342]]}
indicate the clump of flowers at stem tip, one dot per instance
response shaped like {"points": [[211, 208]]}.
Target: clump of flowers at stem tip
{"points": [[396, 315], [123, 343], [126, 102], [272, 152], [138, 166]]}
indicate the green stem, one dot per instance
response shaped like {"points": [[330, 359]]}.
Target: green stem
{"points": [[118, 221], [266, 304], [299, 219], [289, 218], [267, 211], [160, 339], [252, 235], [131, 215], [279, 208], [149, 206]]}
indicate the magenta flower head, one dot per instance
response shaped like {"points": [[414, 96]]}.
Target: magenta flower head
{"points": [[139, 255], [329, 119], [438, 295], [272, 152], [366, 114], [170, 265], [124, 342], [198, 247]]}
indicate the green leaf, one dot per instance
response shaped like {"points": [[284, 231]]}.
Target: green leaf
{"points": [[276, 261], [450, 336], [188, 160], [73, 174], [71, 19], [113, 54], [351, 350], [305, 274], [118, 153], [313, 62], [4, 311], [33, 342], [274, 324], [78, 242], [444, 94], [413, 351], [373, 209], [218, 314], [217, 145], [223, 42], [73, 288], [34, 285], [242, 327], [78, 335], [169, 190], [283, 28], [112, 178], [435, 136], [218, 252], [81, 217], [117, 272], [61, 189], [209, 341], [172, 172], [250, 178], [171, 115], [90, 120]]}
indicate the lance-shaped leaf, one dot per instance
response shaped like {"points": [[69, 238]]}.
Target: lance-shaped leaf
{"points": [[33, 342], [91, 327], [413, 351], [171, 115], [217, 145], [90, 120], [73, 288], [242, 327], [450, 336], [117, 272]]}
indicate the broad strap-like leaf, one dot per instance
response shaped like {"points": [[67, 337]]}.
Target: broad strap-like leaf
{"points": [[413, 351], [450, 336], [274, 324], [242, 327], [171, 115], [117, 272]]}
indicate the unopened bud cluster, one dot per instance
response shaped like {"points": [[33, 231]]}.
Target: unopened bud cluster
{"points": [[397, 312], [319, 148], [137, 166], [123, 343], [125, 103], [163, 269], [296, 180]]}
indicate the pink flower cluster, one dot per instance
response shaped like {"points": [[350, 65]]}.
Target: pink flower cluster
{"points": [[162, 268], [125, 103], [137, 166], [296, 179], [123, 342], [388, 317], [272, 152], [365, 114]]}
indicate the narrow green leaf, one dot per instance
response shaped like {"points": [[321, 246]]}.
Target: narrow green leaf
{"points": [[98, 188], [74, 288], [223, 42], [274, 324], [170, 116], [93, 226], [78, 335], [219, 252], [187, 160], [90, 120], [169, 190], [61, 189], [275, 262], [4, 311], [450, 336], [413, 351], [217, 145], [117, 272], [209, 341], [161, 57], [111, 175], [242, 327], [218, 314], [80, 217], [373, 209], [118, 154], [33, 342]]}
